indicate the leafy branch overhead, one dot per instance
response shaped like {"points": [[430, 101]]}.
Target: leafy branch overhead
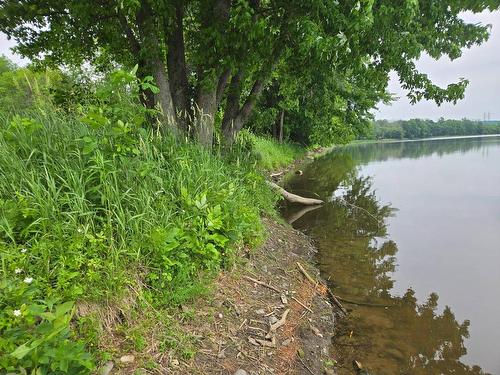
{"points": [[325, 63]]}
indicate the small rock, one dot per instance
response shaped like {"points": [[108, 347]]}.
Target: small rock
{"points": [[316, 331], [220, 316], [240, 372], [260, 311], [272, 319], [286, 342], [106, 369], [175, 362], [127, 358], [284, 300]]}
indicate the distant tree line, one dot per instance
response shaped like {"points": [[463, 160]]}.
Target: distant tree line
{"points": [[420, 128]]}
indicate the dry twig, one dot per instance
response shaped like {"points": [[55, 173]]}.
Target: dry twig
{"points": [[262, 283]]}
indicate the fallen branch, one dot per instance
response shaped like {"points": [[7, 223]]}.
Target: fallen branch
{"points": [[315, 282], [293, 198], [301, 304], [278, 324], [262, 283], [304, 364]]}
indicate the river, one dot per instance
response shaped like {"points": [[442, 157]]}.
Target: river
{"points": [[411, 234]]}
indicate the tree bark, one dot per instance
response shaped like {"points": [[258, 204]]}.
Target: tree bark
{"points": [[150, 47], [232, 105], [221, 85], [206, 106], [145, 96], [164, 98], [237, 117], [177, 72]]}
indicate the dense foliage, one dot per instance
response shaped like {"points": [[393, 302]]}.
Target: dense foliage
{"points": [[94, 202], [103, 192], [319, 65], [417, 128]]}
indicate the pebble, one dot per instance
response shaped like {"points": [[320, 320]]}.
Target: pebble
{"points": [[104, 370], [220, 316], [127, 358], [240, 372], [260, 312]]}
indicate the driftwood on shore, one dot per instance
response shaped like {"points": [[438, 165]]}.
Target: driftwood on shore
{"points": [[293, 198]]}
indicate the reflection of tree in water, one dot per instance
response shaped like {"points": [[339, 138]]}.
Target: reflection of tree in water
{"points": [[405, 337]]}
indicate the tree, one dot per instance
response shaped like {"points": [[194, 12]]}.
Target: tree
{"points": [[208, 56]]}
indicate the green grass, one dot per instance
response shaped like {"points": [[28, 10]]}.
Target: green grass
{"points": [[269, 153], [90, 211]]}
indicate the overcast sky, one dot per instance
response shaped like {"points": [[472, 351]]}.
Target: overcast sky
{"points": [[481, 65]]}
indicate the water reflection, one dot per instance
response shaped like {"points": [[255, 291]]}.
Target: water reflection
{"points": [[388, 334]]}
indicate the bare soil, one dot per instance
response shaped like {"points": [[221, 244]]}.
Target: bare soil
{"points": [[235, 337]]}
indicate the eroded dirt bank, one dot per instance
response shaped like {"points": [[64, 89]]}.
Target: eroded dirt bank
{"points": [[266, 316]]}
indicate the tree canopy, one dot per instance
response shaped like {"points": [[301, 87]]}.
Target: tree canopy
{"points": [[325, 63]]}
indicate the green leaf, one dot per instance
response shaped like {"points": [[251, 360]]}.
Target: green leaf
{"points": [[21, 351]]}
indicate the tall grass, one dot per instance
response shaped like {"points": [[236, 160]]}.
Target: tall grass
{"points": [[96, 212], [270, 154]]}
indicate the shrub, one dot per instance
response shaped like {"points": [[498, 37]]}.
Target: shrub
{"points": [[36, 333], [101, 202]]}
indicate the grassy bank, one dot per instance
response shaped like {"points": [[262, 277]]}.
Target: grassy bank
{"points": [[114, 217]]}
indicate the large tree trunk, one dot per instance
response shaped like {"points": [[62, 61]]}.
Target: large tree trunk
{"points": [[154, 62], [145, 96], [235, 117], [208, 97], [232, 105], [209, 90], [164, 99], [206, 106], [177, 72]]}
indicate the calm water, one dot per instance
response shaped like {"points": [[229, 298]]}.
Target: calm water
{"points": [[411, 231]]}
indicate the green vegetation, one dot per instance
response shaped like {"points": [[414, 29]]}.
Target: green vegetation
{"points": [[416, 128], [132, 147], [92, 204], [224, 65], [268, 153]]}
